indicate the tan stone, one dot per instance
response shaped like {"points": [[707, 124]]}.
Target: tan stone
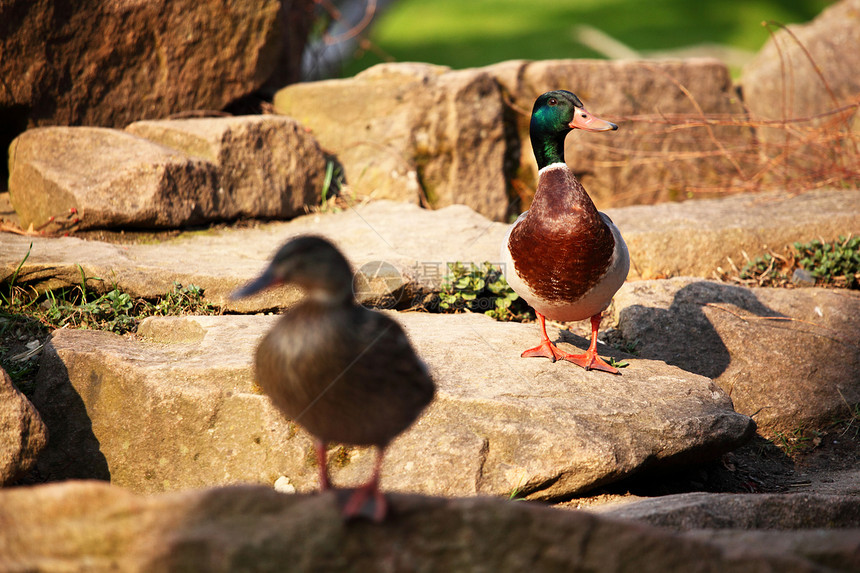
{"points": [[268, 166], [23, 435], [802, 76], [98, 527], [105, 178], [649, 159], [500, 423], [411, 132]]}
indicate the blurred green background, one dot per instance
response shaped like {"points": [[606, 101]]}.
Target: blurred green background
{"points": [[467, 33]]}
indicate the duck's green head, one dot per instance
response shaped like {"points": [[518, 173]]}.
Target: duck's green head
{"points": [[554, 115]]}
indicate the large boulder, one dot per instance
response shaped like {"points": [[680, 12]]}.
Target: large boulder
{"points": [[23, 435], [668, 144], [457, 136], [788, 358], [802, 90], [268, 166], [500, 425], [98, 527], [108, 63], [411, 132], [92, 177]]}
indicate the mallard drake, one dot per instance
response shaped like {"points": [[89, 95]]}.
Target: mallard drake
{"points": [[345, 373], [562, 256]]}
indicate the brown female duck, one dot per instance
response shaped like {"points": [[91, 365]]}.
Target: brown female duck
{"points": [[562, 256], [345, 373]]}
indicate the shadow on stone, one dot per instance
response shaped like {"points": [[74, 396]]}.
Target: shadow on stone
{"points": [[682, 334], [73, 451]]}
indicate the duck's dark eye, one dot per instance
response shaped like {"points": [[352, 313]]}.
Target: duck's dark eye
{"points": [[552, 101]]}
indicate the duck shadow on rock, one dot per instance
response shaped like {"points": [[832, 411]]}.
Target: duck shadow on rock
{"points": [[73, 450], [682, 332]]}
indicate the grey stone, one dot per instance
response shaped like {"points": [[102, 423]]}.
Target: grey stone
{"points": [[98, 527], [268, 166], [823, 529], [787, 357], [23, 435], [500, 424], [695, 511]]}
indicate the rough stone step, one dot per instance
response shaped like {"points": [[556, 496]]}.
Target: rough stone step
{"points": [[691, 238], [824, 529], [175, 407], [691, 511], [99, 527]]}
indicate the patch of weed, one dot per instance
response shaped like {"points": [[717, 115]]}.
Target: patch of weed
{"points": [[831, 263], [799, 440], [835, 263], [480, 288]]}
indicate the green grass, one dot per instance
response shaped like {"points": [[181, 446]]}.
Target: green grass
{"points": [[464, 34]]}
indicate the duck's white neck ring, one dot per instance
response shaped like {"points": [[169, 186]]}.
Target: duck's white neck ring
{"points": [[556, 165]]}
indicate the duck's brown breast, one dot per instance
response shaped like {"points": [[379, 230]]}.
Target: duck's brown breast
{"points": [[562, 248]]}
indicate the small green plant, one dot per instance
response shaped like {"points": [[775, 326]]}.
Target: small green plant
{"points": [[764, 269], [479, 288], [831, 262], [835, 263], [332, 185]]}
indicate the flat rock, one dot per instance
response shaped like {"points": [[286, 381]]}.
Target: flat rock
{"points": [[694, 238], [23, 435], [690, 238], [693, 511], [832, 549], [824, 529], [500, 425], [411, 239], [422, 133], [787, 357], [268, 166], [98, 527], [105, 178]]}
